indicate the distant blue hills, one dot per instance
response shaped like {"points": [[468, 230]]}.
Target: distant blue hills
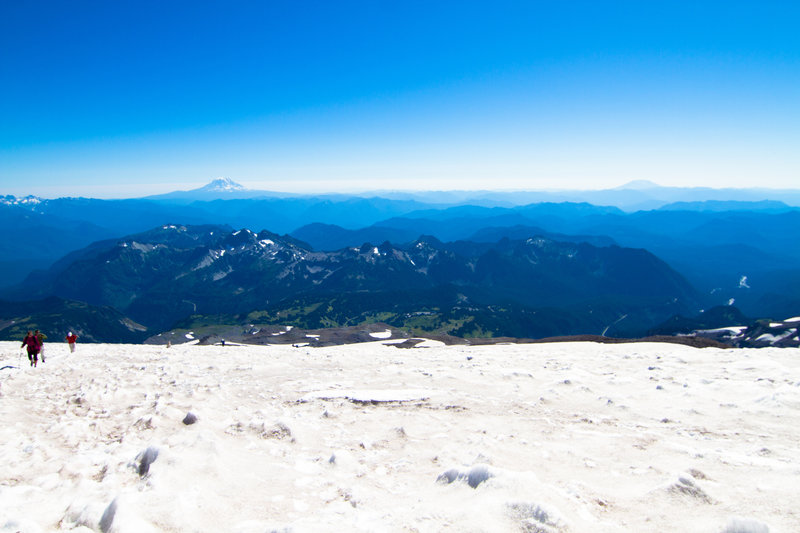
{"points": [[731, 246]]}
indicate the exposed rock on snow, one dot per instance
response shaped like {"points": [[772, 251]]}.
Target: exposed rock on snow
{"points": [[473, 477], [687, 487], [532, 518], [745, 525], [368, 396], [261, 429], [121, 517], [108, 517], [145, 459]]}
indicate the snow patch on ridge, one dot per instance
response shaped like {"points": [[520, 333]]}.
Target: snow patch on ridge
{"points": [[733, 330], [209, 259], [144, 248], [772, 339], [221, 274]]}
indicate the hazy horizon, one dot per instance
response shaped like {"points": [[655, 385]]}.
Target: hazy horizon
{"points": [[136, 191], [126, 100]]}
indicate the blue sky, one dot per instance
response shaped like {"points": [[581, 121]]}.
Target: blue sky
{"points": [[114, 99]]}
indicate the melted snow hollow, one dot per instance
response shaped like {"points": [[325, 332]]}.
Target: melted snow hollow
{"points": [[543, 437]]}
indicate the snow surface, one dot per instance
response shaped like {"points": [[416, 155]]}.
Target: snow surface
{"points": [[381, 334], [546, 437], [772, 339], [223, 184], [368, 395], [736, 330]]}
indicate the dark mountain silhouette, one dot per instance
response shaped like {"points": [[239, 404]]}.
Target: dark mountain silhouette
{"points": [[167, 274], [56, 317], [330, 237], [33, 240], [728, 325], [721, 316], [713, 249]]}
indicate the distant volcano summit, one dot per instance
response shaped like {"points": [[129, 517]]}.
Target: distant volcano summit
{"points": [[221, 185], [218, 189]]}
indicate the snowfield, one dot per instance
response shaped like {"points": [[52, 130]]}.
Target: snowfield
{"points": [[565, 437]]}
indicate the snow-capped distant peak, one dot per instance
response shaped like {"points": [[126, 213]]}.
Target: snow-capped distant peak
{"points": [[639, 185], [13, 200], [222, 185]]}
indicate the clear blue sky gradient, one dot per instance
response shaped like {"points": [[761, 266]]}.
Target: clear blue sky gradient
{"points": [[130, 98]]}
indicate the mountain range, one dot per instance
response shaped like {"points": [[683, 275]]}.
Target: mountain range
{"points": [[637, 195], [173, 272], [491, 261]]}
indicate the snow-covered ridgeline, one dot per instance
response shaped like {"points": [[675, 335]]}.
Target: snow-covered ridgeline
{"points": [[10, 199]]}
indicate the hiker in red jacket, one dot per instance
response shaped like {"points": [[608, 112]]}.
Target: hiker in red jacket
{"points": [[33, 346], [71, 338]]}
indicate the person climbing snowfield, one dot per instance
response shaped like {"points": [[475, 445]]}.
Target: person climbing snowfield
{"points": [[32, 344], [40, 337], [71, 339]]}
